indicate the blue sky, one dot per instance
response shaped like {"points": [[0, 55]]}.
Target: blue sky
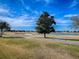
{"points": [[23, 14]]}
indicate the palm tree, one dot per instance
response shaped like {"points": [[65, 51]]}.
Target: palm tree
{"points": [[4, 26]]}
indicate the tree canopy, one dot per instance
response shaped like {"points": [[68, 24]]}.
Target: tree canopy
{"points": [[75, 22], [4, 26], [45, 24]]}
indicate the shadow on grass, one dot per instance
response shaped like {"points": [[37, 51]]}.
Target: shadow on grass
{"points": [[11, 37], [72, 39], [62, 39], [54, 38]]}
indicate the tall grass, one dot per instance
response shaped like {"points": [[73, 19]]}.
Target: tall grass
{"points": [[20, 48], [72, 50]]}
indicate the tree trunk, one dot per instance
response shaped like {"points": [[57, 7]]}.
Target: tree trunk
{"points": [[1, 33], [44, 35]]}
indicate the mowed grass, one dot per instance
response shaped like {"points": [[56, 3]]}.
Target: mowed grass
{"points": [[19, 42], [16, 48], [21, 48], [72, 50]]}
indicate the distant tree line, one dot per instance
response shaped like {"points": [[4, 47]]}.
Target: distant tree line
{"points": [[67, 31], [21, 31]]}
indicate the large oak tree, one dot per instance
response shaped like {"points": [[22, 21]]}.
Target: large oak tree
{"points": [[45, 24]]}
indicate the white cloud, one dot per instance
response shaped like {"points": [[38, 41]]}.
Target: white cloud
{"points": [[53, 14], [62, 21], [62, 24], [25, 7], [2, 10], [23, 20], [73, 4], [70, 15], [5, 11]]}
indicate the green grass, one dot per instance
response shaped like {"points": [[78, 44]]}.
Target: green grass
{"points": [[19, 42], [70, 49], [21, 48], [72, 39], [16, 48]]}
